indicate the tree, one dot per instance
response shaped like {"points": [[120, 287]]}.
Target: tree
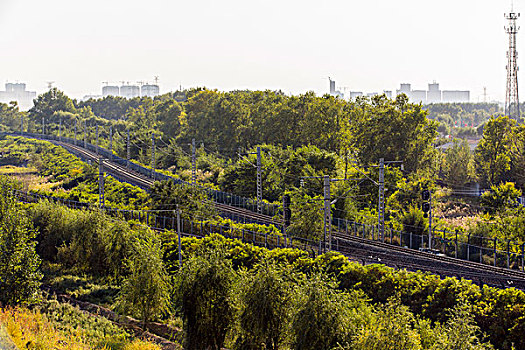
{"points": [[501, 197], [307, 215], [46, 104], [325, 316], [10, 117], [392, 327], [266, 302], [203, 289], [19, 262], [493, 157], [145, 291], [458, 165], [170, 118], [193, 201], [394, 130], [460, 331]]}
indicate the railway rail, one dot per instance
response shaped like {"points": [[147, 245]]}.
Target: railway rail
{"points": [[121, 172], [354, 247]]}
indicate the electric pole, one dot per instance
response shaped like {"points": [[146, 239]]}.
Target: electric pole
{"points": [[259, 181], [60, 130], [153, 154], [179, 235], [22, 125], [43, 126], [100, 183], [381, 211], [327, 213], [127, 149], [193, 163], [96, 136], [85, 134], [76, 122], [430, 222], [110, 143]]}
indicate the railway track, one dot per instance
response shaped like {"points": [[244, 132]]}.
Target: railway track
{"points": [[128, 175], [364, 250], [369, 252]]}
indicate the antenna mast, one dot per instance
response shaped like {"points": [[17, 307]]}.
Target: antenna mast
{"points": [[512, 103]]}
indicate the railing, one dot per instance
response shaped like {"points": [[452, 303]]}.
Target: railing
{"points": [[190, 226], [450, 244], [484, 250], [217, 196]]}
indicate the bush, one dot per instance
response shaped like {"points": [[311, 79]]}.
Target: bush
{"points": [[19, 262], [204, 289], [145, 290], [266, 302]]}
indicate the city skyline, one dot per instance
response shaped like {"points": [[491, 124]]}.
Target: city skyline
{"points": [[292, 46]]}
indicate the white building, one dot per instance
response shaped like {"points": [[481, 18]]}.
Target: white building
{"points": [[150, 90], [129, 91], [456, 96], [17, 92], [110, 90]]}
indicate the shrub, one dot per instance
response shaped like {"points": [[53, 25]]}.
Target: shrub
{"points": [[145, 291], [204, 289], [19, 262]]}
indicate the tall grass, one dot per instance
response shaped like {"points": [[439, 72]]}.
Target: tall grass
{"points": [[60, 326]]}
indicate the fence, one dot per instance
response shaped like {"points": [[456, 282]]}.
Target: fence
{"points": [[217, 196], [190, 226], [484, 250]]}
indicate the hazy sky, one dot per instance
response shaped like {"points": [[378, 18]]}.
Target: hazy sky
{"points": [[292, 45]]}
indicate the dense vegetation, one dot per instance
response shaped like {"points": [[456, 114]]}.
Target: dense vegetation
{"points": [[233, 294], [217, 291]]}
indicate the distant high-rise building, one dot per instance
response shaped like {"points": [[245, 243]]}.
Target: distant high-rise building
{"points": [[129, 91], [332, 86], [110, 90], [456, 96], [433, 93], [388, 93], [333, 91], [355, 94], [150, 90], [419, 96], [17, 92]]}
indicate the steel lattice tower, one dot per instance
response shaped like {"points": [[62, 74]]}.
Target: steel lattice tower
{"points": [[512, 103]]}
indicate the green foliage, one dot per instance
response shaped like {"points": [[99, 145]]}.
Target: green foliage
{"points": [[307, 216], [49, 159], [86, 240], [10, 117], [325, 317], [458, 165], [204, 295], [266, 303], [501, 197], [192, 201], [456, 115], [493, 154], [19, 263], [414, 221], [69, 319], [282, 170], [50, 102], [394, 130], [392, 327], [145, 290]]}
